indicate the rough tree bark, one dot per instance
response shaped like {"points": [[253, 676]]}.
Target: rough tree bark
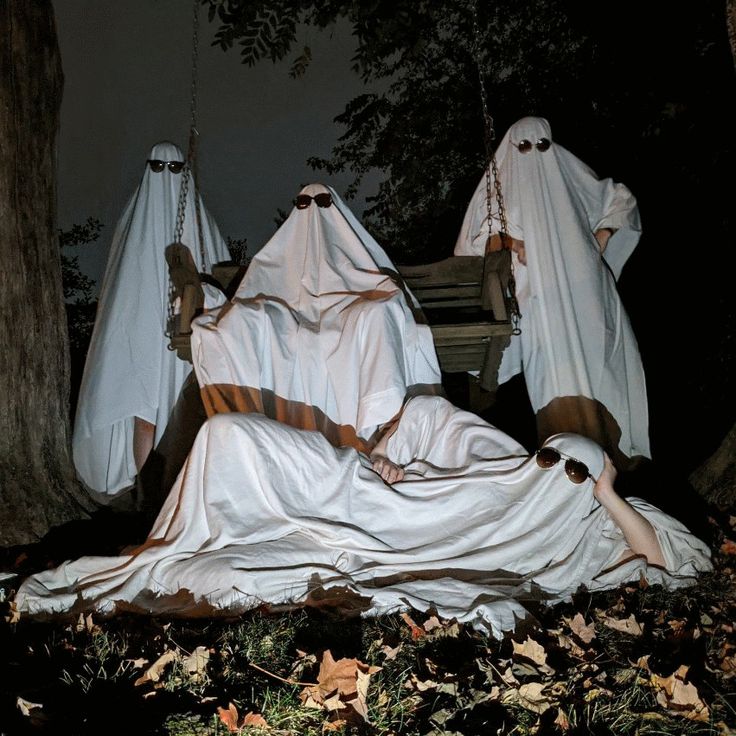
{"points": [[715, 479], [38, 489]]}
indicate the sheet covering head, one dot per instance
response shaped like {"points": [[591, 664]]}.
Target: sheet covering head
{"points": [[129, 370], [476, 528], [320, 334], [576, 339]]}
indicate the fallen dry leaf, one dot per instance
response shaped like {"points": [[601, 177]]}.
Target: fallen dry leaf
{"points": [[337, 725], [341, 684], [196, 663], [528, 696], [26, 706], [416, 631], [625, 625], [254, 720], [229, 717], [154, 672], [13, 615], [584, 632], [728, 547], [431, 623], [531, 650], [562, 721], [391, 652], [677, 696]]}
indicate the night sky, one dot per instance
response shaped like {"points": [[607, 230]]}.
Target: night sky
{"points": [[127, 68]]}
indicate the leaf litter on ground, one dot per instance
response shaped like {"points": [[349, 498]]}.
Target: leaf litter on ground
{"points": [[634, 660]]}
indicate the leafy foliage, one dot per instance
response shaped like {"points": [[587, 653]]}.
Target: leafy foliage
{"points": [[78, 288], [607, 87]]}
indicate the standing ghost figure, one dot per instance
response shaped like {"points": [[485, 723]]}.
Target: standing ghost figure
{"points": [[571, 234], [131, 379], [319, 334]]}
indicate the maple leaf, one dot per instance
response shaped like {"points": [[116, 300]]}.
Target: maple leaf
{"points": [[677, 696], [528, 696], [229, 717], [626, 625], [341, 684], [532, 650], [584, 632]]}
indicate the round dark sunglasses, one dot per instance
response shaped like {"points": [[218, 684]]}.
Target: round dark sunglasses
{"points": [[576, 470], [175, 167], [323, 199], [525, 145]]}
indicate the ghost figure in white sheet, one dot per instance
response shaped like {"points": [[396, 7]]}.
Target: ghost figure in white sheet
{"points": [[129, 371], [576, 343], [319, 334], [262, 512]]}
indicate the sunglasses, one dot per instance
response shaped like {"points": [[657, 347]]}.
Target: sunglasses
{"points": [[323, 199], [175, 167], [576, 470], [525, 145]]}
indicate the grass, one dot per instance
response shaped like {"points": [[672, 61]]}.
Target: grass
{"points": [[89, 676]]}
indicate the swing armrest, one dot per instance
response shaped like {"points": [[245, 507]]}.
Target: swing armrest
{"points": [[495, 279], [192, 302]]}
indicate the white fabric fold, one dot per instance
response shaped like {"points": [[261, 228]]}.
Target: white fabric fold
{"points": [[319, 322], [262, 512], [576, 338], [129, 371]]}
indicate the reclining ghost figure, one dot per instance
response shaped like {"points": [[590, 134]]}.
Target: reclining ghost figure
{"points": [[472, 525]]}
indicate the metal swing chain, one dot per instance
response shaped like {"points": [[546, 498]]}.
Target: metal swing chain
{"points": [[491, 169], [188, 173]]}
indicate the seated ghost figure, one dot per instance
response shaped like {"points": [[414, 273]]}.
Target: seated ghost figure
{"points": [[476, 527], [570, 234], [319, 334], [131, 380]]}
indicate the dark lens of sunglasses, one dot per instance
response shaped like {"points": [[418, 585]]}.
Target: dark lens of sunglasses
{"points": [[175, 167], [303, 201], [524, 146], [323, 199], [547, 457], [576, 471], [156, 165], [543, 144]]}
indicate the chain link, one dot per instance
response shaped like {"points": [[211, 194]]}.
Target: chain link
{"points": [[491, 170], [188, 175]]}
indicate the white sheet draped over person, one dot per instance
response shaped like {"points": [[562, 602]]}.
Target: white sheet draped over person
{"points": [[572, 234], [130, 372], [319, 334], [264, 513]]}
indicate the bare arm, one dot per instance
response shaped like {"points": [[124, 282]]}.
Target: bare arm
{"points": [[389, 471], [638, 532], [603, 236]]}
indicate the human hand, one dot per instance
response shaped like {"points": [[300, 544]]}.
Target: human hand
{"points": [[602, 236], [389, 471], [606, 479]]}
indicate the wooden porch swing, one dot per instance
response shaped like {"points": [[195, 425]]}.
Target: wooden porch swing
{"points": [[467, 301]]}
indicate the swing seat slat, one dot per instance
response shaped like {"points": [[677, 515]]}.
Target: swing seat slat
{"points": [[464, 301]]}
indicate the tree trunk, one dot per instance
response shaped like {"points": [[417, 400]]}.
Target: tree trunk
{"points": [[731, 26], [715, 479], [38, 489]]}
